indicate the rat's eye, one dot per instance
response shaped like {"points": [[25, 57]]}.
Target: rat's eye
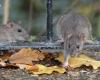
{"points": [[19, 30]]}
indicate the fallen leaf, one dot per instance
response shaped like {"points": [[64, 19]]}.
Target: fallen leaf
{"points": [[26, 56], [24, 66], [60, 57], [33, 68], [41, 69], [48, 70], [5, 56], [82, 59], [2, 63], [86, 57]]}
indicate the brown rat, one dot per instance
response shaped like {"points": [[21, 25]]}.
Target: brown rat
{"points": [[11, 32], [74, 30]]}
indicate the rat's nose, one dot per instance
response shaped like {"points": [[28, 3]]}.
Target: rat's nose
{"points": [[19, 30]]}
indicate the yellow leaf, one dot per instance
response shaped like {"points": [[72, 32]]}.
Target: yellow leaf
{"points": [[86, 57], [48, 70], [82, 59], [60, 57], [95, 64]]}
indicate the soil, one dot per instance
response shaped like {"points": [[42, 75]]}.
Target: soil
{"points": [[18, 74]]}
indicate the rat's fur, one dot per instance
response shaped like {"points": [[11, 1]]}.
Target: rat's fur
{"points": [[11, 32], [74, 29]]}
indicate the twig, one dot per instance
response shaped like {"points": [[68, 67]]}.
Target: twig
{"points": [[6, 11], [30, 16]]}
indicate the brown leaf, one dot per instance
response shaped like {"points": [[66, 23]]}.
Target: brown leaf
{"points": [[26, 56], [2, 63], [5, 56]]}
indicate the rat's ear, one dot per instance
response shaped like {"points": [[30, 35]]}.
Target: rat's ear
{"points": [[9, 24]]}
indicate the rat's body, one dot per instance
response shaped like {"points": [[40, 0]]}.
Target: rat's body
{"points": [[74, 30], [11, 32]]}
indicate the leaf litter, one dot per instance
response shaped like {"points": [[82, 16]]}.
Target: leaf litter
{"points": [[25, 58]]}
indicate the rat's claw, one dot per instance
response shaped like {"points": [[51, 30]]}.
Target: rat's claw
{"points": [[67, 66]]}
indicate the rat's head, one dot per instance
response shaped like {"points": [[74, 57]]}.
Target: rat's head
{"points": [[17, 30], [73, 44]]}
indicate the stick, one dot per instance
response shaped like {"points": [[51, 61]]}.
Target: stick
{"points": [[5, 11], [30, 16]]}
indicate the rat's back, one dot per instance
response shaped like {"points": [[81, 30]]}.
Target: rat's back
{"points": [[73, 23]]}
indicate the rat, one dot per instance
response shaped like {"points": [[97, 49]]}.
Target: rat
{"points": [[12, 32], [74, 30]]}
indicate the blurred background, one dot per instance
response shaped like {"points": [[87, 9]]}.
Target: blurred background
{"points": [[32, 13]]}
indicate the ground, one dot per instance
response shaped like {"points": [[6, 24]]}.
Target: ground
{"points": [[83, 73], [17, 74]]}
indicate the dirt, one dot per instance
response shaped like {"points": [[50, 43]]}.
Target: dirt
{"points": [[76, 74]]}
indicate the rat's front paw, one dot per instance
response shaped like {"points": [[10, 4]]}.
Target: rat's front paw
{"points": [[67, 66]]}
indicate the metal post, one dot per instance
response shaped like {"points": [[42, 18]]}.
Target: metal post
{"points": [[49, 21]]}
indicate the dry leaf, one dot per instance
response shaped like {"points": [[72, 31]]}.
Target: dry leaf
{"points": [[33, 68], [2, 63], [26, 56], [41, 69], [81, 60], [47, 70], [60, 57], [23, 66], [5, 56]]}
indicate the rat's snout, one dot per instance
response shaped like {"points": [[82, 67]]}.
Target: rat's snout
{"points": [[73, 49]]}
